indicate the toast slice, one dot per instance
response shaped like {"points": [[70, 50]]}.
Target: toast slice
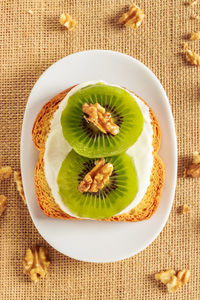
{"points": [[144, 210]]}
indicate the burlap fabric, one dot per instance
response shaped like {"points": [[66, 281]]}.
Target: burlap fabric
{"points": [[29, 43]]}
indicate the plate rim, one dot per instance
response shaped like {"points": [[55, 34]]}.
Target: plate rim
{"points": [[173, 132]]}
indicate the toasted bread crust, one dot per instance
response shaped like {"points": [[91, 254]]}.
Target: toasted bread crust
{"points": [[144, 210]]}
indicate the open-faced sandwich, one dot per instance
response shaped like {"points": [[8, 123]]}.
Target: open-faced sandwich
{"points": [[98, 156]]}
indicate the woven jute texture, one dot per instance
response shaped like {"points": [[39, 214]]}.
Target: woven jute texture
{"points": [[29, 43]]}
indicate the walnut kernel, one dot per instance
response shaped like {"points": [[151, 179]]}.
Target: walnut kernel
{"points": [[165, 276], [195, 17], [192, 2], [3, 200], [67, 21], [192, 57], [35, 263], [186, 209], [5, 172], [173, 285], [195, 36], [97, 178], [196, 157], [184, 276], [172, 280], [133, 18], [100, 118], [18, 181], [194, 169]]}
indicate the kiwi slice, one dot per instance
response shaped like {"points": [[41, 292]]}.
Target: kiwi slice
{"points": [[85, 138], [113, 198]]}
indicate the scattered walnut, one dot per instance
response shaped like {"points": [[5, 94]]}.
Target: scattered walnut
{"points": [[173, 285], [133, 18], [18, 181], [195, 36], [184, 276], [67, 21], [97, 178], [185, 46], [35, 263], [194, 169], [192, 57], [172, 280], [192, 2], [2, 204], [195, 17], [165, 276], [196, 157], [186, 209], [100, 118], [5, 172]]}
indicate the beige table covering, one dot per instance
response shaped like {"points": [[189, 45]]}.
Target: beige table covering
{"points": [[30, 43]]}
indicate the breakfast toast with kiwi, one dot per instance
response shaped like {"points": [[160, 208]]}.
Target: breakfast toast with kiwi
{"points": [[122, 182]]}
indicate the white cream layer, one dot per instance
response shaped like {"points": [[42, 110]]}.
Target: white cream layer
{"points": [[57, 148]]}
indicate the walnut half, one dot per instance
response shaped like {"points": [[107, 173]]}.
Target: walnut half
{"points": [[133, 18], [172, 280], [97, 178], [98, 116], [35, 263]]}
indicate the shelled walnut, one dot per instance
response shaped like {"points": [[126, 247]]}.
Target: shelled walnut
{"points": [[18, 181], [67, 21], [186, 209], [195, 17], [192, 2], [195, 36], [5, 172], [98, 116], [172, 280], [133, 18], [192, 57], [97, 178], [194, 169], [3, 200], [35, 263]]}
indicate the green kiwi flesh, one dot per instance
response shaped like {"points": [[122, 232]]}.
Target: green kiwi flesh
{"points": [[85, 138], [112, 199]]}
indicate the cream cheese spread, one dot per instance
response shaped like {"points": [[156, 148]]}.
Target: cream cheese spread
{"points": [[57, 148]]}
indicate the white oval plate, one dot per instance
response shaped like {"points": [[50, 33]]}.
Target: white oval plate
{"points": [[94, 241]]}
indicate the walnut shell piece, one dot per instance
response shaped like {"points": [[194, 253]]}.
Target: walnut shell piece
{"points": [[35, 263], [3, 200]]}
